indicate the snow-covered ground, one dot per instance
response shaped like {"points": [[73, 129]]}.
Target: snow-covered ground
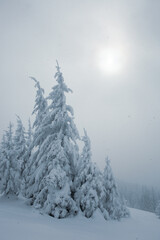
{"points": [[21, 222]]}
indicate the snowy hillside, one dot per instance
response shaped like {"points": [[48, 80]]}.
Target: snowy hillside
{"points": [[21, 222]]}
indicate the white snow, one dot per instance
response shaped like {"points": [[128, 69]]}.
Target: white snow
{"points": [[21, 222]]}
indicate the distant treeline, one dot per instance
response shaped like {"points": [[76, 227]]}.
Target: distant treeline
{"points": [[139, 196]]}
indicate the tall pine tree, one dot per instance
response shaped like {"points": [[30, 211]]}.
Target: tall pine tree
{"points": [[51, 189], [35, 139]]}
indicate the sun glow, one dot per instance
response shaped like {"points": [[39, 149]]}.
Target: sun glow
{"points": [[111, 60]]}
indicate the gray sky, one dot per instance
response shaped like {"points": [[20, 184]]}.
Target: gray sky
{"points": [[118, 102]]}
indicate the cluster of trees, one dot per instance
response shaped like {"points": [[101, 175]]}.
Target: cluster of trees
{"points": [[46, 167], [140, 197]]}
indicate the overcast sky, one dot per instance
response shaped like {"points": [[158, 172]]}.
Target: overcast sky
{"points": [[117, 102]]}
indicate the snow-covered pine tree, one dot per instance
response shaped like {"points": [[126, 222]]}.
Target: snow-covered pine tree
{"points": [[10, 175], [54, 172], [112, 202], [88, 183], [27, 155], [35, 139], [158, 209], [20, 147]]}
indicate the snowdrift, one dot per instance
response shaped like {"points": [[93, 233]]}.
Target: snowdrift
{"points": [[21, 222]]}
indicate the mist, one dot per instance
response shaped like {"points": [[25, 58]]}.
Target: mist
{"points": [[121, 112]]}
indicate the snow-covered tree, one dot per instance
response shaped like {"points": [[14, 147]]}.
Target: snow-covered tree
{"points": [[9, 166], [27, 155], [88, 184], [51, 182], [20, 147], [158, 209], [40, 110], [36, 138], [112, 201]]}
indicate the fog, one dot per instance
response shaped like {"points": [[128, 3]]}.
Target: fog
{"points": [[119, 110]]}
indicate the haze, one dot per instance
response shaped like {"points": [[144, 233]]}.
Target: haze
{"points": [[121, 112]]}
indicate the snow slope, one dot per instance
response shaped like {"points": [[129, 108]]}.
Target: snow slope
{"points": [[21, 222]]}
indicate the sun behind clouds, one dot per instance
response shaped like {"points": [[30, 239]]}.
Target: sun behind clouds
{"points": [[111, 60]]}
